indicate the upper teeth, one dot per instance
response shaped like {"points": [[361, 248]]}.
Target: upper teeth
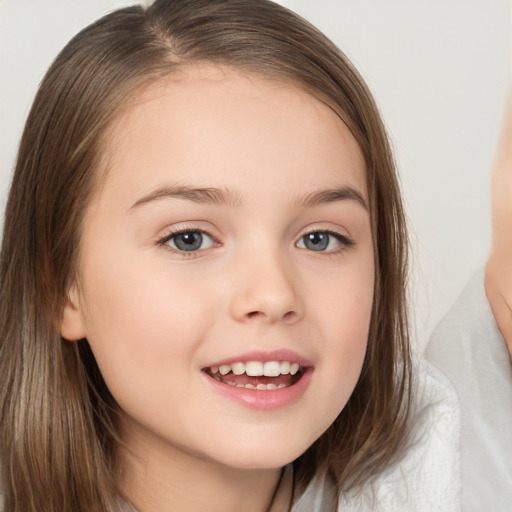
{"points": [[258, 368]]}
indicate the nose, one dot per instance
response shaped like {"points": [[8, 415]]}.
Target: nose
{"points": [[265, 290]]}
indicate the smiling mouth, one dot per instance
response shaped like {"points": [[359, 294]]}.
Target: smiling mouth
{"points": [[257, 375]]}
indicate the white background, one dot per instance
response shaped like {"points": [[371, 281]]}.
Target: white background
{"points": [[438, 69]]}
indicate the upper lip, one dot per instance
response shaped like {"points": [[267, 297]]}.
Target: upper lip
{"points": [[264, 356]]}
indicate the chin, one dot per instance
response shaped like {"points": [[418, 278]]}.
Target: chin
{"points": [[262, 454]]}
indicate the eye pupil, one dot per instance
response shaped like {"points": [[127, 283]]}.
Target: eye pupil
{"points": [[317, 241], [188, 241]]}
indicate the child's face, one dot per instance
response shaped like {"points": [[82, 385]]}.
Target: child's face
{"points": [[232, 226]]}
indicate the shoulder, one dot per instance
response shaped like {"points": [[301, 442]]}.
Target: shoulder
{"points": [[320, 495], [469, 349], [467, 329], [427, 477]]}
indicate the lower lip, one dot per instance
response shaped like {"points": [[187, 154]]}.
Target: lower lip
{"points": [[265, 400]]}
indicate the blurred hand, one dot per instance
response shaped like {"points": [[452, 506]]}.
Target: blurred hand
{"points": [[498, 271]]}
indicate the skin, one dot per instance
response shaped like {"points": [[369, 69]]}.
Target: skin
{"points": [[498, 272], [156, 316]]}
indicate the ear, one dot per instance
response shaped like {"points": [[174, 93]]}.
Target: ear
{"points": [[72, 327]]}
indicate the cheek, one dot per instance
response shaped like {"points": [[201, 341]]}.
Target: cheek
{"points": [[345, 314], [141, 323], [345, 299]]}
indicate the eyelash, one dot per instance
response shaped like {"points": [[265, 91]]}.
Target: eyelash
{"points": [[345, 241], [164, 241]]}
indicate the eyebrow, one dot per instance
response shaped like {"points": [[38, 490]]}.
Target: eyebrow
{"points": [[207, 195], [227, 197], [332, 195]]}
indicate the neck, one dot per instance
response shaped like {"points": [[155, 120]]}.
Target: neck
{"points": [[159, 478]]}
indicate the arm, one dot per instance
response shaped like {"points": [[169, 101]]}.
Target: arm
{"points": [[498, 272]]}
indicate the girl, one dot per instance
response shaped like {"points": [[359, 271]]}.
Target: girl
{"points": [[202, 272]]}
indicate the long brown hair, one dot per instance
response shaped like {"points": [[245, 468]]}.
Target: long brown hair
{"points": [[58, 420]]}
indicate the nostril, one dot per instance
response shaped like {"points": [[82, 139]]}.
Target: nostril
{"points": [[289, 316]]}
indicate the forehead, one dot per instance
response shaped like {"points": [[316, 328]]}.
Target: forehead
{"points": [[203, 115]]}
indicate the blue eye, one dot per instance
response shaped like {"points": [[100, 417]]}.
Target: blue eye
{"points": [[323, 241], [189, 241]]}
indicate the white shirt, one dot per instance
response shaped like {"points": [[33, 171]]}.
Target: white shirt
{"points": [[427, 478], [468, 347]]}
